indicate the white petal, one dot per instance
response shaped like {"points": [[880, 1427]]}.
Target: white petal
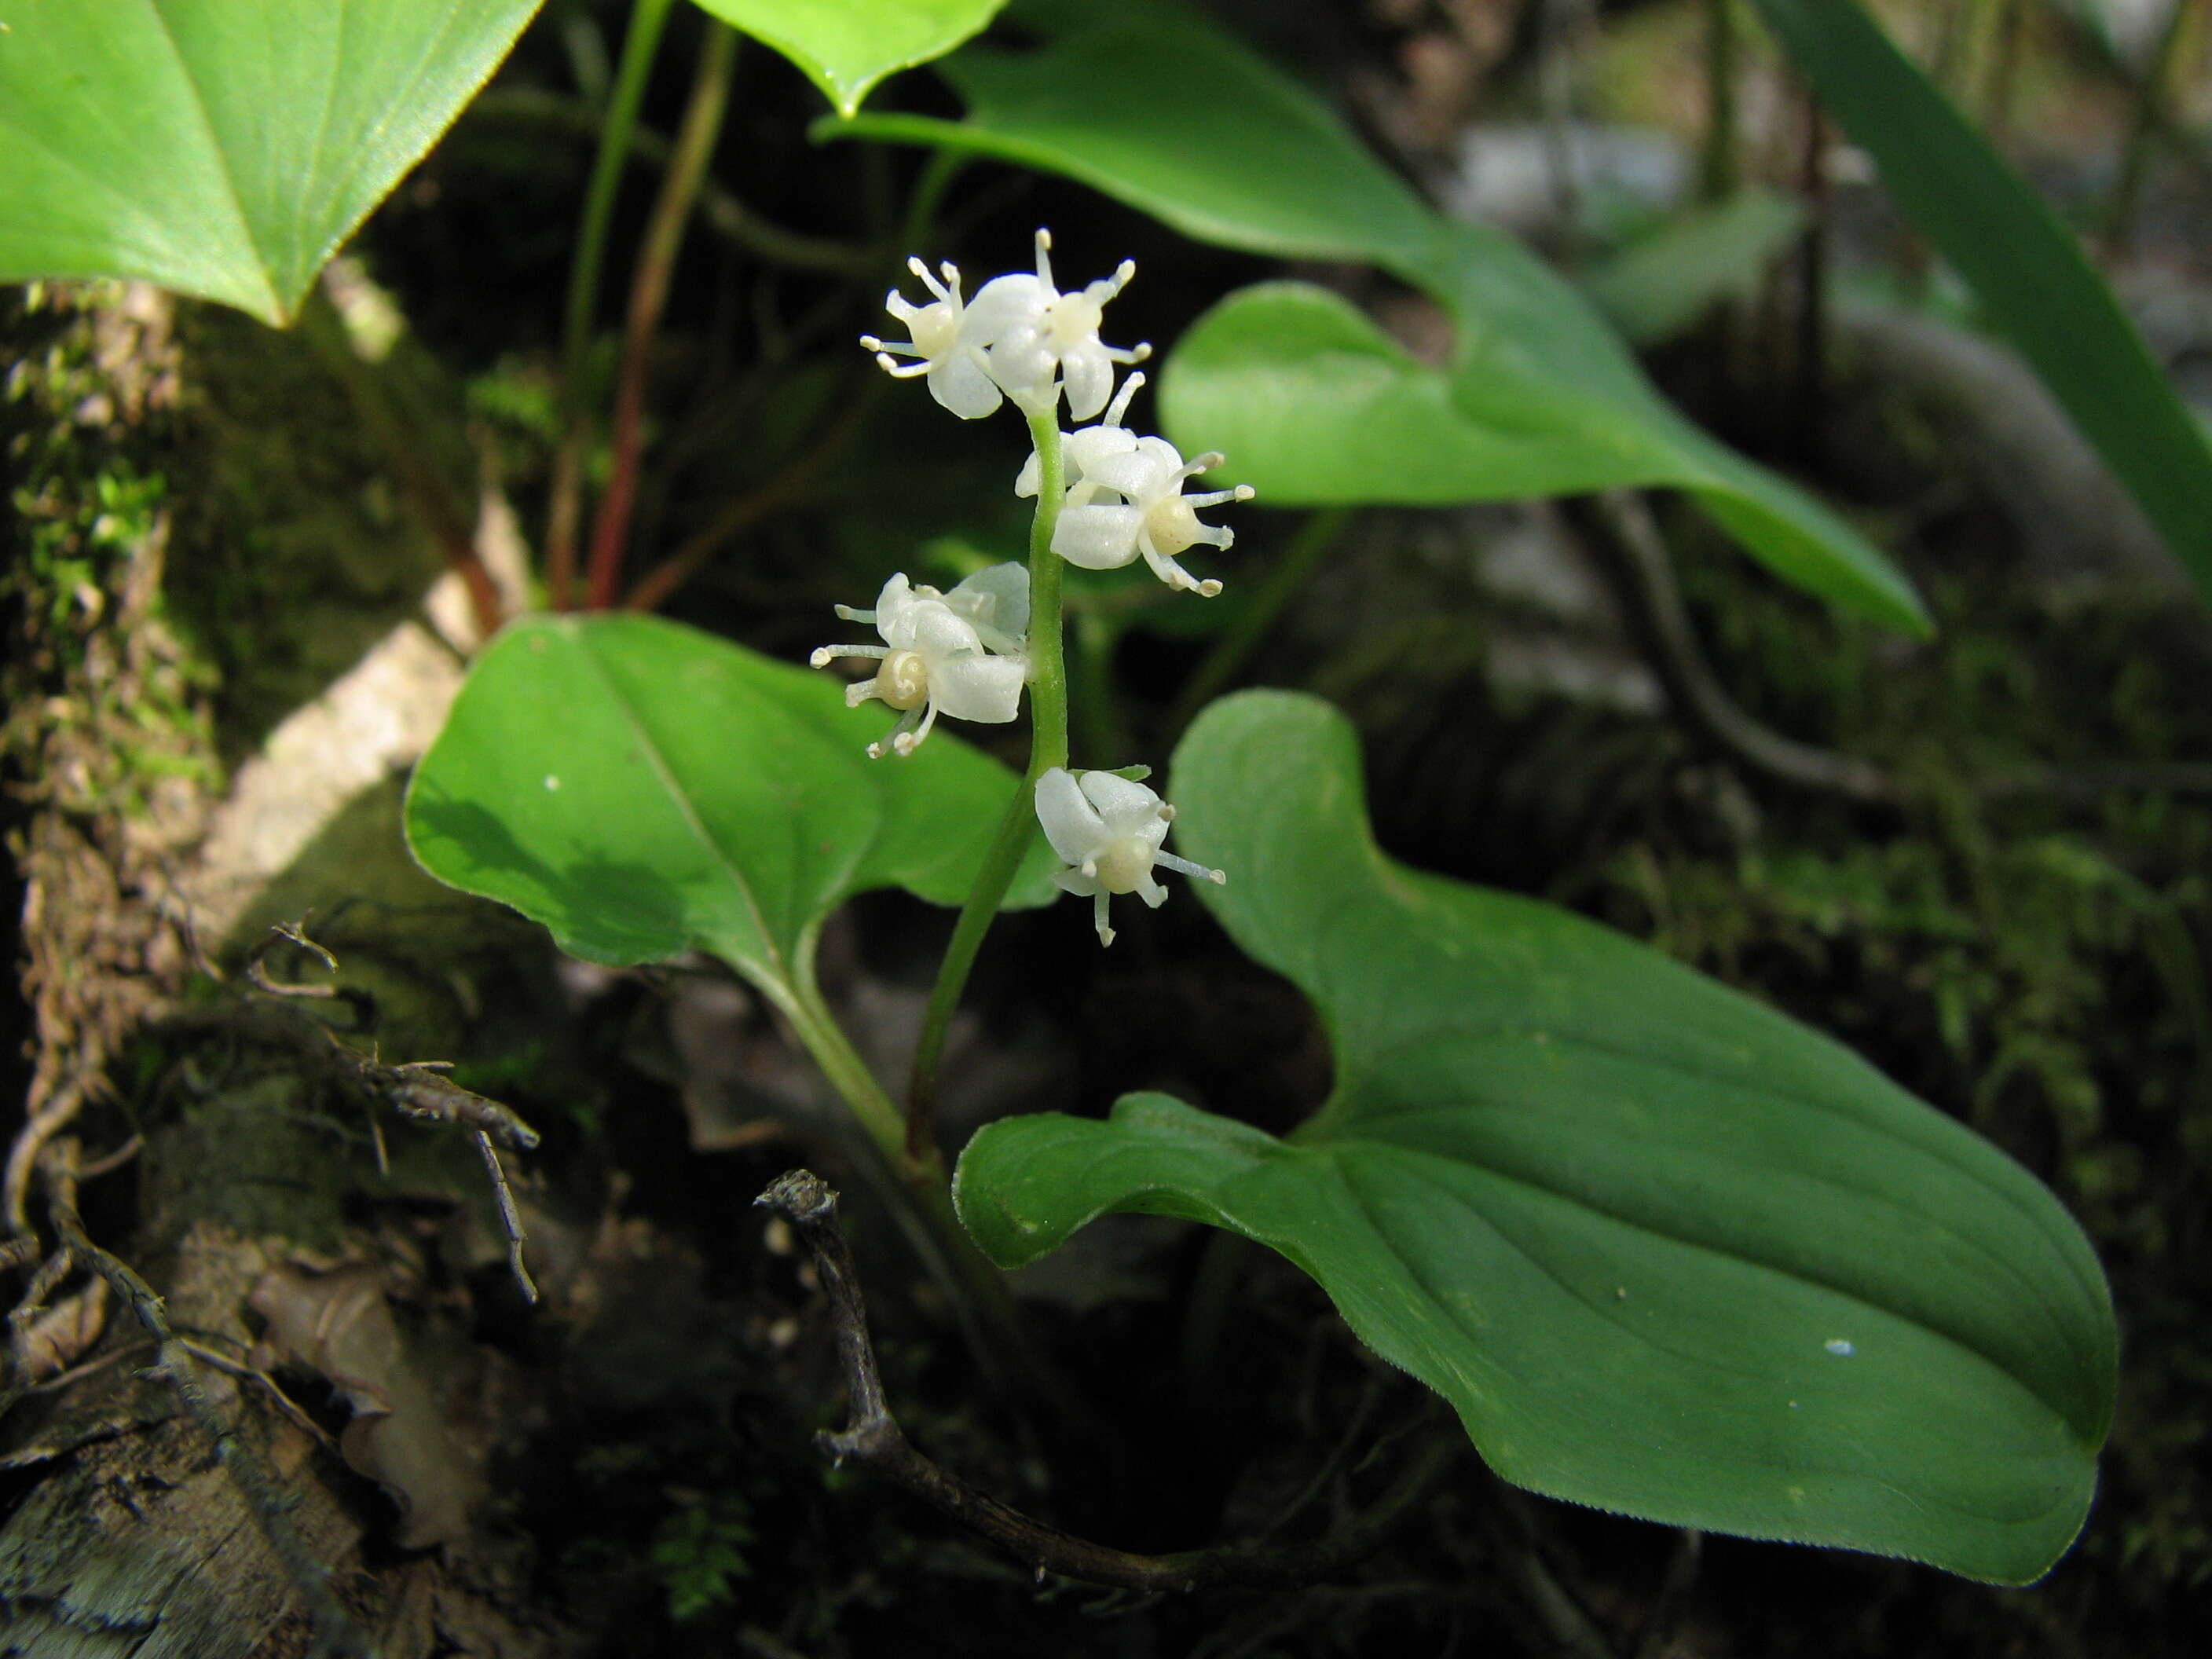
{"points": [[1097, 538], [960, 384], [988, 690], [1089, 377], [1003, 303], [941, 636], [1075, 882], [1089, 446], [1023, 374], [1124, 807], [998, 596], [894, 611], [1031, 478], [1071, 824], [1139, 477]]}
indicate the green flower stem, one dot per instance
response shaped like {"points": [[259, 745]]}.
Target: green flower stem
{"points": [[1314, 538], [1048, 749], [916, 1196], [617, 133]]}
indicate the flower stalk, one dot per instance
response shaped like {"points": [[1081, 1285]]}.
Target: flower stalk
{"points": [[1048, 749]]}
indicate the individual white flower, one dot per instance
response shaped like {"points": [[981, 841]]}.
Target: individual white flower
{"points": [[1152, 516], [962, 654], [1037, 340], [1109, 830], [940, 334]]}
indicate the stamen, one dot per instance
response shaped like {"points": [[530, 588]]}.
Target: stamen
{"points": [[1120, 406], [846, 613], [904, 743], [859, 692], [1045, 257], [1197, 872], [1098, 919], [825, 655]]}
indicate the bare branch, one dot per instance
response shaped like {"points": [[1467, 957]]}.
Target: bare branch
{"points": [[871, 1437]]}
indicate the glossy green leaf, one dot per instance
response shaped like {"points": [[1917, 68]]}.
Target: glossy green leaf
{"points": [[845, 46], [642, 788], [1667, 1252], [1315, 406], [2026, 268], [1662, 283], [223, 147], [1227, 149]]}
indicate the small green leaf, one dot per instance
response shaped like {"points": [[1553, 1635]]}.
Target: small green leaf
{"points": [[1227, 149], [220, 148], [2026, 268], [1315, 406], [642, 788], [1662, 283], [845, 46], [1666, 1251]]}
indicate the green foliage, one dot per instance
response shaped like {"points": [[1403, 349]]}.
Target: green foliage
{"points": [[2026, 268], [699, 1552], [1666, 279], [845, 46], [1226, 149], [1667, 1252], [223, 150], [644, 789]]}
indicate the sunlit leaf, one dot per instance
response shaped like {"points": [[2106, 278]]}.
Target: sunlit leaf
{"points": [[644, 789], [1218, 143], [223, 147], [1666, 1251], [1315, 406], [845, 46]]}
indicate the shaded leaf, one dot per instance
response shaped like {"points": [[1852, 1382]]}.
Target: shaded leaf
{"points": [[2026, 268], [642, 788], [223, 150], [1666, 1251]]}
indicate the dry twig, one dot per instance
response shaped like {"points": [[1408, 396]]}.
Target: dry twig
{"points": [[874, 1438]]}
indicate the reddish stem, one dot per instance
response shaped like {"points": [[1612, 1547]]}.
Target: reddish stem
{"points": [[648, 297]]}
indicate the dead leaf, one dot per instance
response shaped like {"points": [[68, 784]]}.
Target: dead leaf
{"points": [[339, 1326]]}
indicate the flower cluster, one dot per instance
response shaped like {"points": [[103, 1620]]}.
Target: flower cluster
{"points": [[966, 654], [1019, 336]]}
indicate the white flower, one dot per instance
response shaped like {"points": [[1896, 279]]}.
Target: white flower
{"points": [[1037, 340], [1108, 831], [962, 654], [1153, 517], [941, 335]]}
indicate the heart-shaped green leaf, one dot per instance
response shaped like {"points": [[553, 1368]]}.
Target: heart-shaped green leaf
{"points": [[642, 788], [1220, 145], [1667, 1252], [223, 147], [845, 46], [1315, 406]]}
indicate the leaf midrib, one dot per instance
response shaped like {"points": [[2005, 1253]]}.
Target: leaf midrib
{"points": [[685, 807], [275, 308]]}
